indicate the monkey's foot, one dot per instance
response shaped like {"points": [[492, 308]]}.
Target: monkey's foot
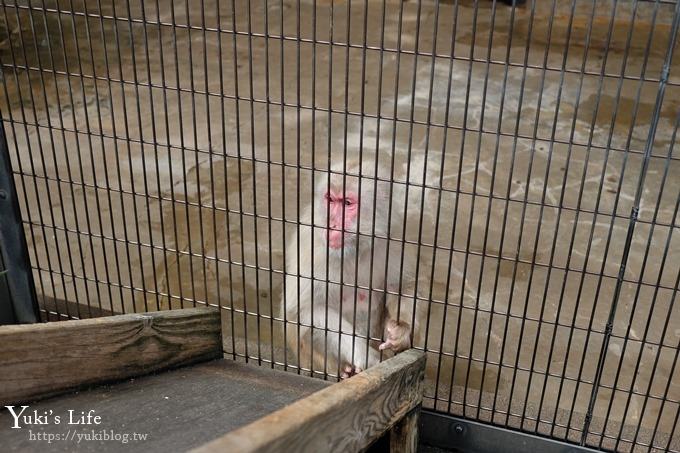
{"points": [[350, 371], [398, 336]]}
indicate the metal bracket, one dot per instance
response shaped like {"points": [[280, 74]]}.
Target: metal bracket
{"points": [[445, 431]]}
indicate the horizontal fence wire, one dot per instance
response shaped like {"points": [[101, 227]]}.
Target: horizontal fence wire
{"points": [[166, 152]]}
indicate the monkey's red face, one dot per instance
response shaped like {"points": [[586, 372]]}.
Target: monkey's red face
{"points": [[339, 203]]}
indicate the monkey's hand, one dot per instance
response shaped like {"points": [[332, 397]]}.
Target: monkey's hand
{"points": [[397, 336], [349, 371]]}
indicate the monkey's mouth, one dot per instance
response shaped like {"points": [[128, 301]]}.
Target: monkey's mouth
{"points": [[335, 239], [335, 243], [343, 244]]}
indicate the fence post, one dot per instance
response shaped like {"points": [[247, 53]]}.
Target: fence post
{"points": [[18, 301], [649, 144]]}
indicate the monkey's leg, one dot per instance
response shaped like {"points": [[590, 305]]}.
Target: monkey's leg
{"points": [[298, 339]]}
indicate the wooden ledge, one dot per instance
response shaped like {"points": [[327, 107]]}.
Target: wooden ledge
{"points": [[347, 416], [40, 360]]}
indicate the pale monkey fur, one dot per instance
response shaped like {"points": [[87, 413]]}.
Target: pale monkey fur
{"points": [[325, 351]]}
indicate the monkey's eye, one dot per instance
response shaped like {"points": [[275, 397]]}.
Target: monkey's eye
{"points": [[348, 202]]}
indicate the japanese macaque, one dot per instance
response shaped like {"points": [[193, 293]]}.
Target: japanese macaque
{"points": [[336, 281]]}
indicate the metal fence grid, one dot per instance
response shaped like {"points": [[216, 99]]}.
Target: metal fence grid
{"points": [[163, 151]]}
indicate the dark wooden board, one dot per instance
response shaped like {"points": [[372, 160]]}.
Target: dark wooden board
{"points": [[178, 409], [404, 435], [347, 416], [38, 360]]}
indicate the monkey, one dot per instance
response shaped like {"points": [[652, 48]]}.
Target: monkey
{"points": [[335, 288]]}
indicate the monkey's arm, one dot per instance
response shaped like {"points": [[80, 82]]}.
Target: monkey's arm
{"points": [[400, 317]]}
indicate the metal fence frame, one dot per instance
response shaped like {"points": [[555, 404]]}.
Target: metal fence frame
{"points": [[18, 301]]}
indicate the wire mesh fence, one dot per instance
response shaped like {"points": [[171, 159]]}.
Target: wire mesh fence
{"points": [[164, 153]]}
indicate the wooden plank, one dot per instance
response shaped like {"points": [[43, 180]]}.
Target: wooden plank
{"points": [[41, 360], [343, 417], [404, 435], [174, 410]]}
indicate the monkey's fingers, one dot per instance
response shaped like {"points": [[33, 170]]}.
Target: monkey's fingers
{"points": [[389, 344], [347, 372]]}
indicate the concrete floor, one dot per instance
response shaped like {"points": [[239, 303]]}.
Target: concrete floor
{"points": [[141, 220]]}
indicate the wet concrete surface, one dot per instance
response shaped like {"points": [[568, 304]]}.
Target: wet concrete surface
{"points": [[161, 188]]}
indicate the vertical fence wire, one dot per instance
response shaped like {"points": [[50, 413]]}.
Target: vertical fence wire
{"points": [[665, 71]]}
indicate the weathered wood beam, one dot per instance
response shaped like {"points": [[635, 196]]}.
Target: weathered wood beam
{"points": [[39, 360], [347, 416], [404, 435]]}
